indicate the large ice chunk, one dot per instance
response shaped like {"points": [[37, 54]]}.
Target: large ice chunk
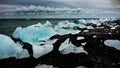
{"points": [[67, 47], [34, 34], [8, 47], [66, 27], [39, 51]]}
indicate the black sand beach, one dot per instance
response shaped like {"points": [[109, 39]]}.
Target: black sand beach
{"points": [[99, 55]]}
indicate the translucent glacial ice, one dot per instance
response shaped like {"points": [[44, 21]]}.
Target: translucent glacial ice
{"points": [[67, 47], [66, 27], [9, 48], [34, 34]]}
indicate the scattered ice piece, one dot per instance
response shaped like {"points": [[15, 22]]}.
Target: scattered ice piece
{"points": [[98, 24], [113, 43], [80, 38], [64, 46], [90, 27], [67, 47], [79, 50], [83, 43], [81, 67], [109, 33], [114, 27], [39, 51], [44, 66], [86, 31], [94, 36], [82, 26]]}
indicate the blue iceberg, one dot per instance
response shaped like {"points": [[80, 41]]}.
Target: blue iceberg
{"points": [[34, 34]]}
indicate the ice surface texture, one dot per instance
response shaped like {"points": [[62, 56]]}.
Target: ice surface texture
{"points": [[34, 34], [9, 48]]}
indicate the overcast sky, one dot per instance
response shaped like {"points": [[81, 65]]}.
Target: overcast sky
{"points": [[85, 4]]}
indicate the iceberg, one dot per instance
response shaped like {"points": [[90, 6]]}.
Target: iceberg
{"points": [[34, 34]]}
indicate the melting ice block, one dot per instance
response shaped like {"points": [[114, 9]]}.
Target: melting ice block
{"points": [[33, 34], [67, 47], [66, 27], [8, 47]]}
